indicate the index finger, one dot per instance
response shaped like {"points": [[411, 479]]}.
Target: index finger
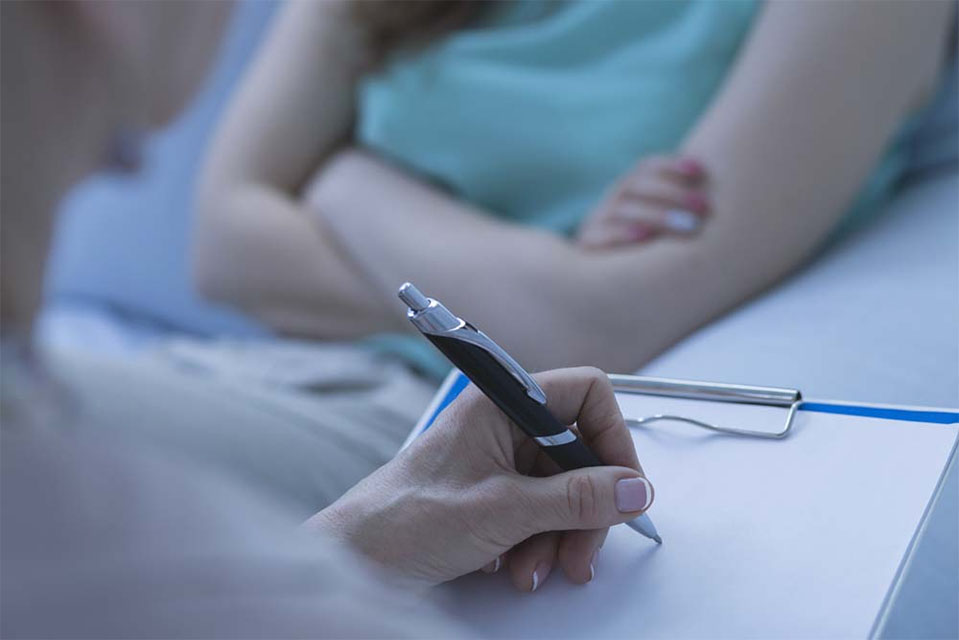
{"points": [[584, 395]]}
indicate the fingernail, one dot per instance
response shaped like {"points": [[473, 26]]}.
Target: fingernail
{"points": [[682, 221], [690, 167], [633, 494], [697, 202], [592, 566], [640, 233], [494, 566], [539, 574]]}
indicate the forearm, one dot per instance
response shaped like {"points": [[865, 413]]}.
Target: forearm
{"points": [[545, 300], [815, 97], [259, 247], [269, 256], [806, 114]]}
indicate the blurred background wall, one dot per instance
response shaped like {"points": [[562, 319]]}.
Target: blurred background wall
{"points": [[123, 241]]}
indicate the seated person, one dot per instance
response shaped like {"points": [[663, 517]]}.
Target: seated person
{"points": [[588, 182], [103, 537]]}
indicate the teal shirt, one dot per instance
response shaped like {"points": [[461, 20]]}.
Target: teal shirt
{"points": [[535, 112]]}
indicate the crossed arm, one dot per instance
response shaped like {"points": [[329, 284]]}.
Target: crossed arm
{"points": [[817, 92]]}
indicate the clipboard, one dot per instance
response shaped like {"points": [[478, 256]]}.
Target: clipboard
{"points": [[650, 408]]}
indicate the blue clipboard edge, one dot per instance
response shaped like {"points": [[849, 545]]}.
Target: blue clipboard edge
{"points": [[455, 382], [452, 386]]}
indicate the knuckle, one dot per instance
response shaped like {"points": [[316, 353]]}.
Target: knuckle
{"points": [[594, 373], [583, 499], [599, 383], [591, 376], [599, 378], [500, 512]]}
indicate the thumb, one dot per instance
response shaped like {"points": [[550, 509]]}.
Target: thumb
{"points": [[590, 498]]}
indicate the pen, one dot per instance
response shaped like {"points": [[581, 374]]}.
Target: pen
{"points": [[506, 383]]}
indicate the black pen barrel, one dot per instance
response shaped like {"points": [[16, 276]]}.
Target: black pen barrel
{"points": [[511, 397], [572, 455]]}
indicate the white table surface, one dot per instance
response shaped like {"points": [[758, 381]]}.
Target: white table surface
{"points": [[874, 320]]}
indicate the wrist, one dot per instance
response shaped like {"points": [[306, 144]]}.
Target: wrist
{"points": [[358, 517], [327, 523], [343, 523]]}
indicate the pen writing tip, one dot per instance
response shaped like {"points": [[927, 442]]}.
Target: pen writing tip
{"points": [[658, 540]]}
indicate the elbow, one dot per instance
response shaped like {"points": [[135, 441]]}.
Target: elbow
{"points": [[208, 275], [213, 259]]}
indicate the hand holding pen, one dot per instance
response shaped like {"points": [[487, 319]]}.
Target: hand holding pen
{"points": [[508, 385], [475, 492]]}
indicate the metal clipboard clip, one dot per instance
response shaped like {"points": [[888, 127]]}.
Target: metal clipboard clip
{"points": [[789, 399]]}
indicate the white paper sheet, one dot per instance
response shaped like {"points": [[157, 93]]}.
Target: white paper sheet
{"points": [[798, 538]]}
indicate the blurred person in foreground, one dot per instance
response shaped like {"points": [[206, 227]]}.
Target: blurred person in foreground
{"points": [[110, 537], [588, 182]]}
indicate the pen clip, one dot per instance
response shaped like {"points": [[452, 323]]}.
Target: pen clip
{"points": [[432, 318], [474, 336]]}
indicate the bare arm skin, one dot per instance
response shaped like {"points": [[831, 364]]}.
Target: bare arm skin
{"points": [[817, 92], [257, 245]]}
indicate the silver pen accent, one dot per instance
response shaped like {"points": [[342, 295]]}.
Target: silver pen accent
{"points": [[431, 317], [434, 319]]}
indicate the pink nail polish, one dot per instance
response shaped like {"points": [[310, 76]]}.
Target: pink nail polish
{"points": [[697, 202], [633, 494], [690, 167]]}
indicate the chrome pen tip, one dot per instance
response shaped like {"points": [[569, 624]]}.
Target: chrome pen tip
{"points": [[412, 296], [658, 540]]}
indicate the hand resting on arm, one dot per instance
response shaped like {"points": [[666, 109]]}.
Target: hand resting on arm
{"points": [[662, 195], [817, 93]]}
